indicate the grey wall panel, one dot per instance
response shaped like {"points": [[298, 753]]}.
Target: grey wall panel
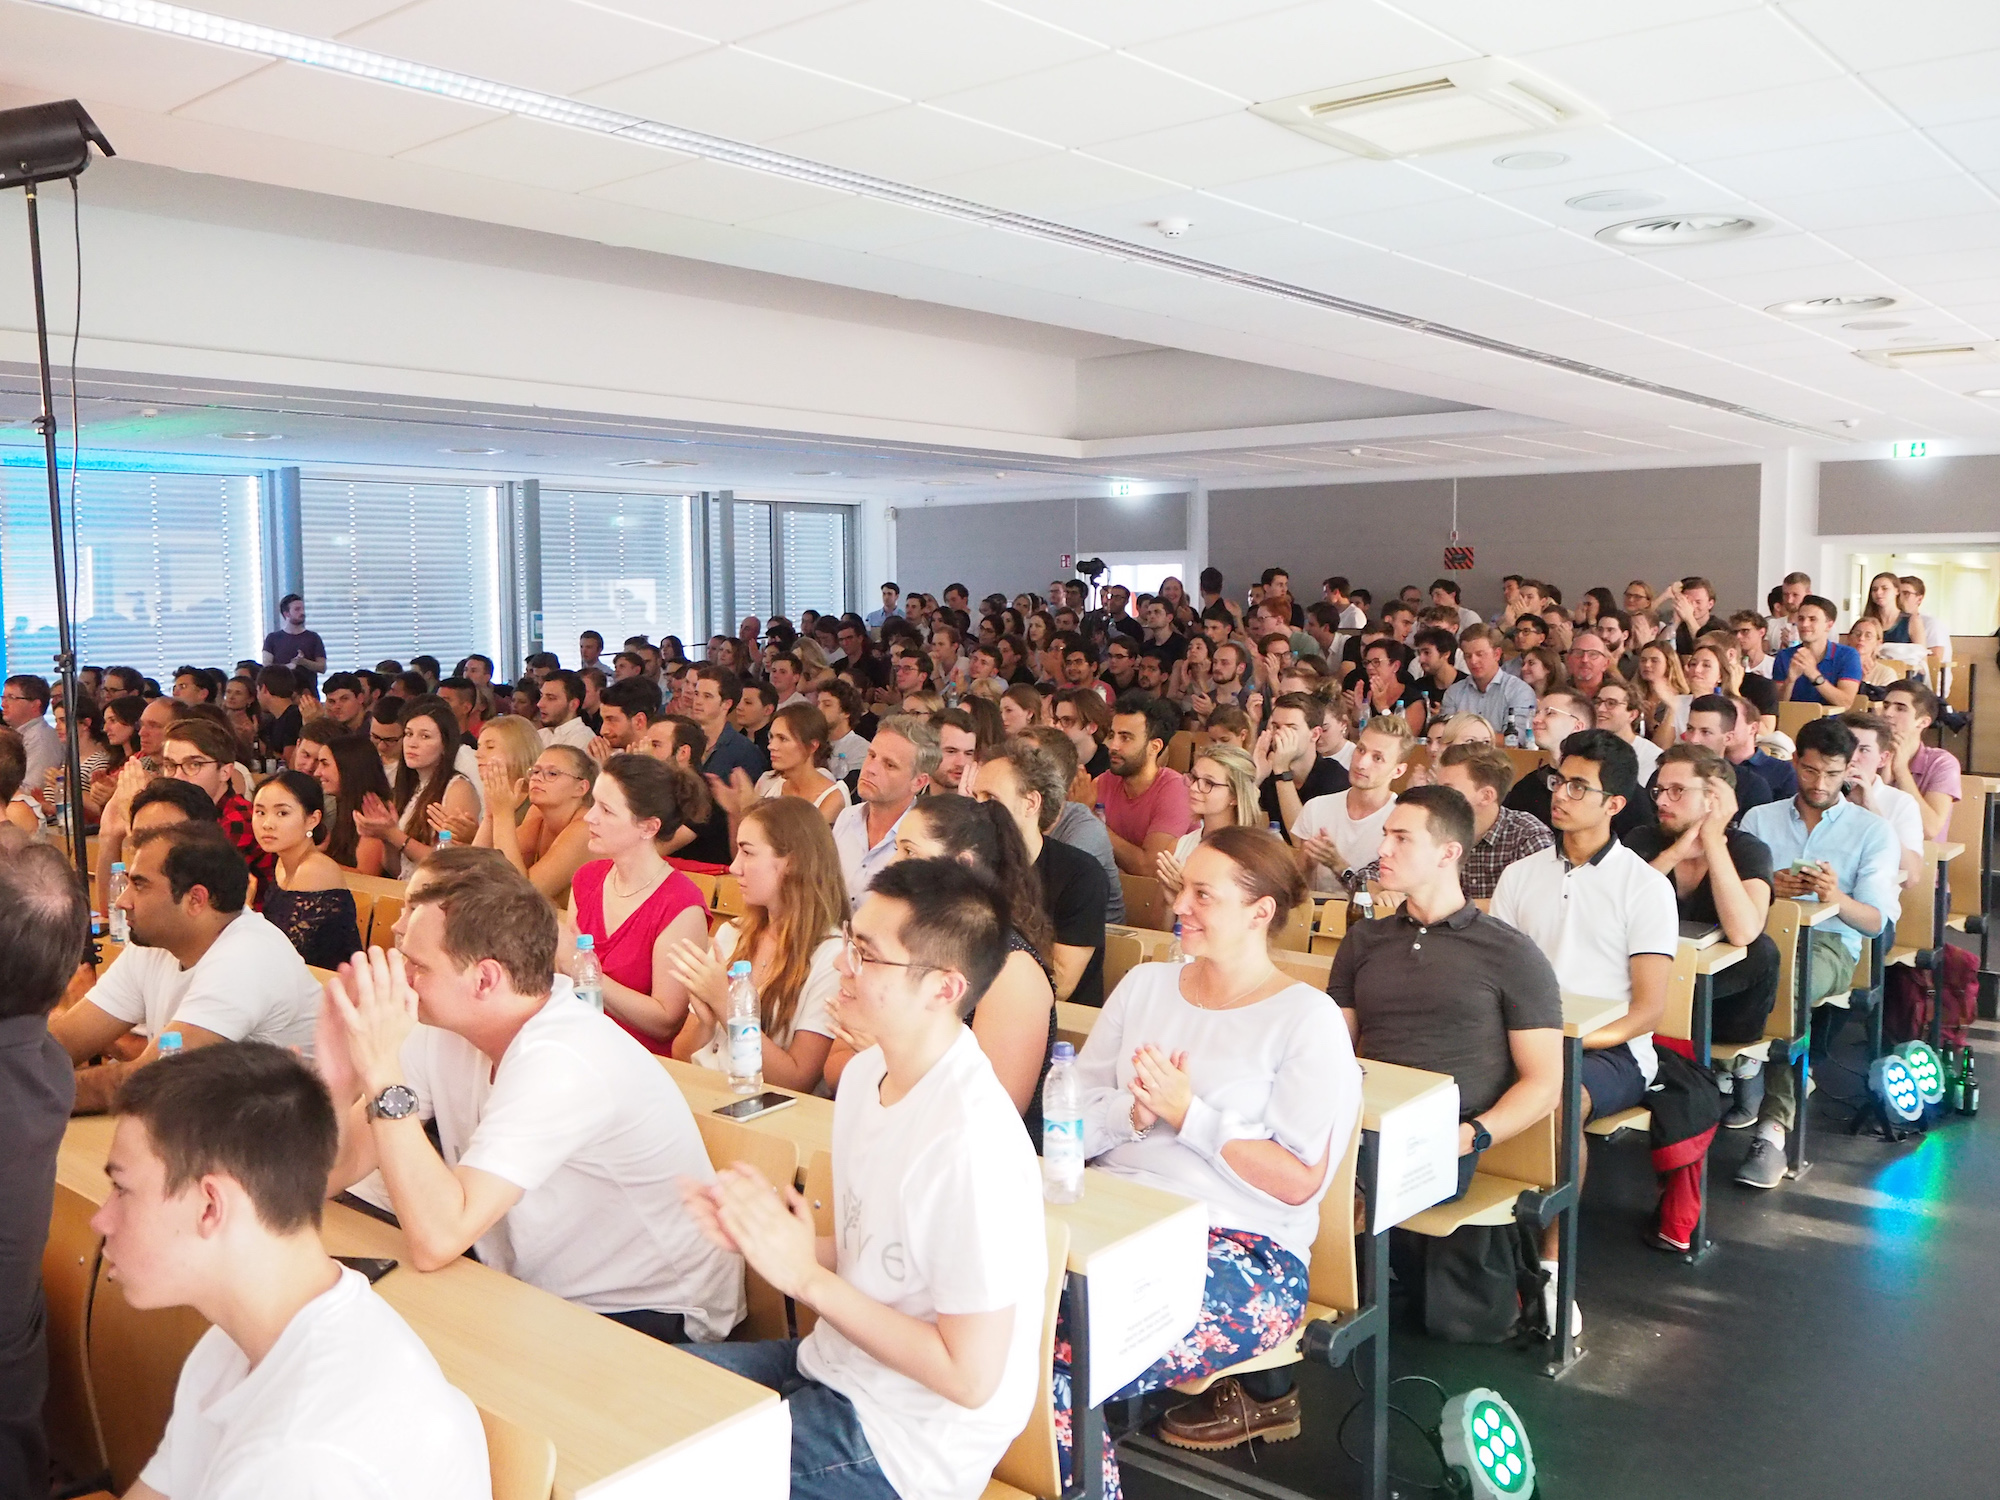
{"points": [[1575, 530], [1011, 548], [1875, 496]]}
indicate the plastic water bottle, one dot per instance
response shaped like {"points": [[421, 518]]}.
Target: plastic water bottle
{"points": [[1062, 1129], [444, 838], [745, 1032], [1362, 907], [121, 920], [1174, 950], [170, 1044], [588, 980]]}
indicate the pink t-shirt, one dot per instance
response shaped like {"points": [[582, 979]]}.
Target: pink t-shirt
{"points": [[1161, 808], [627, 954], [1935, 770]]}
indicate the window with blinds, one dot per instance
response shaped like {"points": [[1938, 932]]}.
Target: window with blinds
{"points": [[812, 560], [619, 564], [166, 569], [397, 570], [754, 585]]}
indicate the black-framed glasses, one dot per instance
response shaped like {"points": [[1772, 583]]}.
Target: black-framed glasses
{"points": [[856, 959], [1576, 789]]}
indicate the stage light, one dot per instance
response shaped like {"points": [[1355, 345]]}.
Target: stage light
{"points": [[1895, 1088], [1926, 1069], [1481, 1434]]}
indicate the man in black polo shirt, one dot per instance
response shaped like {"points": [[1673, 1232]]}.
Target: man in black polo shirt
{"points": [[1722, 878], [1440, 985], [1290, 769]]}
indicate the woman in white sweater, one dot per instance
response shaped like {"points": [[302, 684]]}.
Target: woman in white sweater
{"points": [[1224, 1080]]}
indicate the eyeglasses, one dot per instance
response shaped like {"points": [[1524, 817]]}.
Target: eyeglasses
{"points": [[1576, 789], [194, 765], [1667, 791], [1203, 785], [856, 959], [550, 773], [1587, 651], [386, 739]]}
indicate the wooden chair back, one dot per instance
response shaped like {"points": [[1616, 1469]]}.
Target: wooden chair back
{"points": [[1420, 760], [522, 1464], [1968, 827], [703, 882], [69, 1274], [777, 1159], [1792, 717], [1333, 1277], [382, 931], [1122, 954], [819, 1197], [1525, 760], [135, 1362], [1146, 903], [1782, 927], [1678, 1018], [1307, 968], [1915, 922], [728, 896], [1297, 933], [1527, 1157], [374, 885], [1031, 1462], [364, 915], [1179, 754], [1074, 1022]]}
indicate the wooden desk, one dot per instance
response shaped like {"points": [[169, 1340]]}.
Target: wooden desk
{"points": [[629, 1416], [1387, 1086], [1716, 957], [1583, 1014], [1073, 1022]]}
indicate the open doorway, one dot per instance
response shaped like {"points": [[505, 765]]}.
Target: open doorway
{"points": [[1961, 587]]}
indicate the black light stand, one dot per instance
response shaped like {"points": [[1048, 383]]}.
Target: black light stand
{"points": [[47, 143]]}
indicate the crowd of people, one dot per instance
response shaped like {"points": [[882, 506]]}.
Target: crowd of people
{"points": [[930, 814]]}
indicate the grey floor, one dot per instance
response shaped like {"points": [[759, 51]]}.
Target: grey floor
{"points": [[1843, 1340]]}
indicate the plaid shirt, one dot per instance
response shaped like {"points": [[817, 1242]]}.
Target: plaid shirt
{"points": [[1514, 835], [233, 813]]}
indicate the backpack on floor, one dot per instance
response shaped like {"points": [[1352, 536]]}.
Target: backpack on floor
{"points": [[1478, 1285], [1911, 992]]}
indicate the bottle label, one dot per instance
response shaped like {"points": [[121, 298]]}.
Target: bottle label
{"points": [[1062, 1149], [746, 1046]]}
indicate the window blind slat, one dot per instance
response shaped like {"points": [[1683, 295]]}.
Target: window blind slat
{"points": [[813, 560], [753, 563], [619, 564]]}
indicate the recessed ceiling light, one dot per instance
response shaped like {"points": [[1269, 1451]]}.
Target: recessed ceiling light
{"points": [[1827, 307], [1992, 393], [1668, 231], [815, 473], [1875, 325], [1912, 338], [1531, 161], [248, 437], [472, 450], [1616, 201], [652, 463]]}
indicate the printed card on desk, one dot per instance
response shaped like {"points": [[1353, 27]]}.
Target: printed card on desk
{"points": [[1416, 1156], [1145, 1294]]}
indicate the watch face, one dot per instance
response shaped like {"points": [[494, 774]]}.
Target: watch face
{"points": [[396, 1102]]}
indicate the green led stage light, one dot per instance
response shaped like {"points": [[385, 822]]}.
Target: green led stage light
{"points": [[1926, 1069], [1481, 1435], [1895, 1087]]}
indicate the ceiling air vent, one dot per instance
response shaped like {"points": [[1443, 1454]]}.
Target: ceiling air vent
{"points": [[1436, 109], [1924, 356]]}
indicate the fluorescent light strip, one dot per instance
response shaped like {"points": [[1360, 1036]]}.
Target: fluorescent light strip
{"points": [[315, 52]]}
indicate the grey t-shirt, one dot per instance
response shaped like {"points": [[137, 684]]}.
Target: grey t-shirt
{"points": [[1080, 828], [1443, 997]]}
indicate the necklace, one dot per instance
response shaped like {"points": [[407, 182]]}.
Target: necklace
{"points": [[1234, 1000], [624, 895]]}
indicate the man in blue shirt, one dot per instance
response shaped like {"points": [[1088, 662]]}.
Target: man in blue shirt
{"points": [[1823, 848], [1819, 669], [1505, 702], [890, 594]]}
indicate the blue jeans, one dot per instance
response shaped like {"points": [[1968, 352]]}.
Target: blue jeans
{"points": [[831, 1459]]}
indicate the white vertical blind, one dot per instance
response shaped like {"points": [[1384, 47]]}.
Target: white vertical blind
{"points": [[753, 563], [812, 560], [396, 570], [166, 569], [619, 564]]}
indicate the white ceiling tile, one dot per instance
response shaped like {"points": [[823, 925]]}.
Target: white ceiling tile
{"points": [[1102, 98], [1704, 59], [1305, 47], [1975, 145], [731, 93], [140, 69], [1278, 251], [1678, 189], [922, 48], [1053, 184], [1864, 35], [1761, 288], [1708, 264], [1418, 225], [327, 18], [724, 194], [721, 20], [982, 252], [555, 45], [333, 109], [1624, 304], [1541, 247], [1223, 149], [515, 149], [1943, 92], [912, 143], [1554, 282], [1209, 218], [1595, 152], [1894, 220], [1931, 273], [1123, 23], [857, 224], [1352, 186], [1797, 170], [1816, 113]]}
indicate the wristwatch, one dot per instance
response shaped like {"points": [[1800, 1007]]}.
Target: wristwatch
{"points": [[1284, 775], [397, 1102], [1482, 1138]]}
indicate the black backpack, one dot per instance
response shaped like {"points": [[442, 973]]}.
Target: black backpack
{"points": [[1478, 1285]]}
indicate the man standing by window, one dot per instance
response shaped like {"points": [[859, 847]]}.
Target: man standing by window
{"points": [[292, 642]]}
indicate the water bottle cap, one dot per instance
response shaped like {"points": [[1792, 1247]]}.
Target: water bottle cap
{"points": [[1064, 1052], [117, 865], [740, 969], [444, 837], [170, 1041], [585, 940]]}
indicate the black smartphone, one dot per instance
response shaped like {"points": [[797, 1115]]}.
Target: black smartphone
{"points": [[370, 1266], [753, 1106]]}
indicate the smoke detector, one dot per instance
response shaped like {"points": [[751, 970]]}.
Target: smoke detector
{"points": [[1670, 231], [1173, 229], [1432, 109]]}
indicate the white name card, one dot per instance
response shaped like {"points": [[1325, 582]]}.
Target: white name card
{"points": [[1145, 1294], [1416, 1156]]}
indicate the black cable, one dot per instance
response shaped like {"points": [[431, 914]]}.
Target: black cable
{"points": [[1444, 1480], [75, 431]]}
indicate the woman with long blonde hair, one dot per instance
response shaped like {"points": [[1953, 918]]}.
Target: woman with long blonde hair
{"points": [[1660, 688], [1222, 792], [794, 902]]}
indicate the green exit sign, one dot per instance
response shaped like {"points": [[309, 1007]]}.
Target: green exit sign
{"points": [[1909, 450]]}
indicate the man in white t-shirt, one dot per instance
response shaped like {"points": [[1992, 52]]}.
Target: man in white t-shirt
{"points": [[925, 1361], [563, 1140], [313, 1386], [1873, 738], [561, 704], [1604, 918], [1337, 834], [198, 964]]}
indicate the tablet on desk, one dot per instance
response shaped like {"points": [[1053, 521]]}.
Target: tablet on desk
{"points": [[1701, 934]]}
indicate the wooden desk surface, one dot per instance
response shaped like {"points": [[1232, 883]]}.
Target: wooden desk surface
{"points": [[1583, 1014], [1073, 1020], [1386, 1086], [1113, 1209], [1716, 957], [1942, 851], [610, 1399], [1813, 913]]}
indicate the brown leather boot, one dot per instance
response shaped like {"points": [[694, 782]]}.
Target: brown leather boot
{"points": [[1227, 1416]]}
